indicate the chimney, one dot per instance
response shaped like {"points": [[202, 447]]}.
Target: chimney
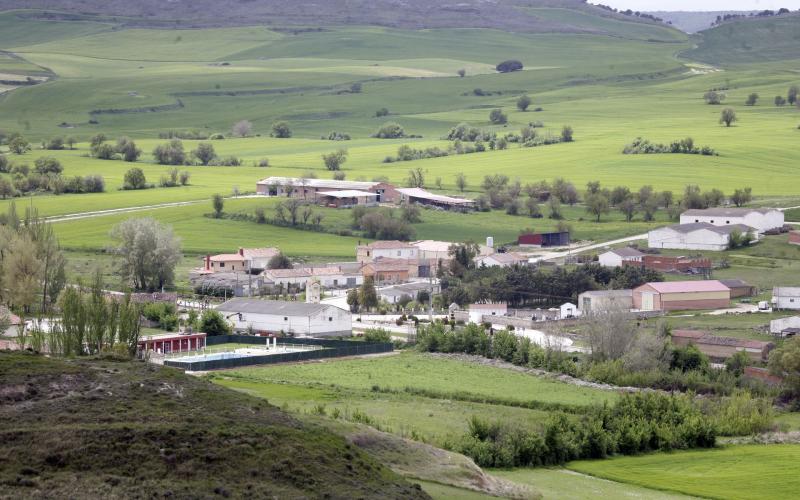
{"points": [[208, 262], [241, 251]]}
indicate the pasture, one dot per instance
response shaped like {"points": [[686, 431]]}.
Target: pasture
{"points": [[732, 472]]}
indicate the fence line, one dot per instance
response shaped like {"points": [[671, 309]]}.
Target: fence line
{"points": [[330, 349]]}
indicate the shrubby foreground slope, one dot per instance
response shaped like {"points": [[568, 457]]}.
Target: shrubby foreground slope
{"points": [[103, 429]]}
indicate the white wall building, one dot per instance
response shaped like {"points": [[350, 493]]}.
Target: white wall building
{"points": [[478, 311], [329, 276], [778, 326], [696, 236], [615, 257], [295, 318], [761, 219], [786, 297], [568, 310], [605, 300]]}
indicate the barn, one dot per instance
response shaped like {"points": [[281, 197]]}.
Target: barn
{"points": [[680, 295], [761, 219], [697, 236], [557, 239], [616, 256]]}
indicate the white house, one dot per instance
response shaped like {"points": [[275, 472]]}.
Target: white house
{"points": [[291, 318], [784, 325], [605, 300], [568, 310], [761, 219], [388, 249], [615, 256], [786, 297], [697, 236], [507, 259], [478, 311]]}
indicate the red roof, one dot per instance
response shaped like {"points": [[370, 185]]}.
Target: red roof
{"points": [[687, 286]]}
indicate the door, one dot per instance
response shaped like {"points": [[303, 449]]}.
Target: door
{"points": [[647, 301]]}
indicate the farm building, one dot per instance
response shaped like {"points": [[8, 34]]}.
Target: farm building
{"points": [[785, 326], [386, 271], [290, 318], [558, 239], [347, 198], [440, 250], [421, 197], [794, 237], [739, 288], [760, 219], [312, 189], [386, 249], [478, 311], [721, 348], [678, 295], [786, 297], [172, 342], [697, 236], [605, 300], [501, 260], [615, 257], [665, 264]]}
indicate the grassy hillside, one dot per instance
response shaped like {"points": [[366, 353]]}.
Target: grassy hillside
{"points": [[83, 428], [749, 40]]}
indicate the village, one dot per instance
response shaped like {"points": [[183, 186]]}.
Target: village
{"points": [[259, 293]]}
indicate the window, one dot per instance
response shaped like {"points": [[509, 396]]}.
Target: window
{"points": [[335, 282], [330, 318], [221, 264], [285, 318], [712, 221], [697, 220], [727, 222], [398, 253]]}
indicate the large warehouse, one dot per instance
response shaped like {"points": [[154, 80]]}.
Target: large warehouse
{"points": [[680, 295], [762, 219], [298, 319], [697, 236]]}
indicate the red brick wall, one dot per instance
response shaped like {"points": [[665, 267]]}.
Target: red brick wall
{"points": [[677, 305]]}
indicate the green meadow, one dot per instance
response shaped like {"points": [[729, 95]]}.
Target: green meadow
{"points": [[733, 472]]}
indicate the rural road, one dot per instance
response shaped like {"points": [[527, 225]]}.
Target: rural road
{"points": [[563, 253]]}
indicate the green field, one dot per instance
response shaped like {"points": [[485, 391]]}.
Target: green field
{"points": [[347, 387], [625, 80], [746, 472]]}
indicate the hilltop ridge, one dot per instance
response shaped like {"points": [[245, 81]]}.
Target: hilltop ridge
{"points": [[511, 15]]}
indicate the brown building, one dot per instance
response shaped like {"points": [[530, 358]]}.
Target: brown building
{"points": [[740, 288], [386, 271], [679, 295], [722, 348], [666, 264]]}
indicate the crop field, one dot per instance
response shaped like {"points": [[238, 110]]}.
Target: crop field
{"points": [[733, 472]]}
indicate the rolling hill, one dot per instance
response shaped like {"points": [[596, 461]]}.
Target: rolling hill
{"points": [[499, 14], [749, 40]]}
